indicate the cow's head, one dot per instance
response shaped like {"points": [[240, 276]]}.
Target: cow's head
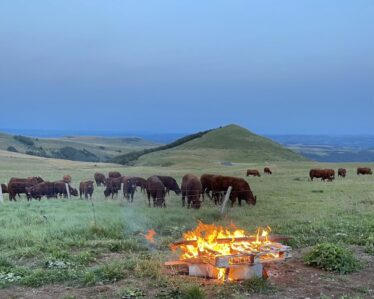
{"points": [[74, 192], [107, 192]]}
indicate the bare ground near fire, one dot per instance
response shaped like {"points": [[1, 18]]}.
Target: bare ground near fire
{"points": [[56, 248]]}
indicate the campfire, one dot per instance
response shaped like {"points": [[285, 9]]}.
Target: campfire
{"points": [[227, 253]]}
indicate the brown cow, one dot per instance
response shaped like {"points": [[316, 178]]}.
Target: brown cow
{"points": [[342, 172], [86, 188], [114, 174], [267, 170], [323, 174], [156, 190], [129, 187], [192, 189], [206, 183], [113, 185], [67, 178], [18, 186], [42, 189], [99, 179], [364, 171], [4, 188], [253, 172], [60, 189], [170, 184], [240, 189], [140, 182]]}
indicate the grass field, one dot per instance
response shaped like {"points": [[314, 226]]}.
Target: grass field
{"points": [[57, 247]]}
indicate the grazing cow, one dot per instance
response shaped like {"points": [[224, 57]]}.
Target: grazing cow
{"points": [[114, 174], [240, 189], [364, 170], [67, 178], [129, 187], [192, 189], [156, 190], [60, 189], [323, 174], [170, 184], [4, 188], [18, 186], [253, 172], [342, 172], [99, 179], [86, 188], [206, 183], [140, 182], [42, 189], [267, 170], [113, 185]]}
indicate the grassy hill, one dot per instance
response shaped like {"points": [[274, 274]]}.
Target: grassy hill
{"points": [[230, 143], [90, 148]]}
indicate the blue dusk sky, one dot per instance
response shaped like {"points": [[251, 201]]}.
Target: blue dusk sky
{"points": [[274, 67]]}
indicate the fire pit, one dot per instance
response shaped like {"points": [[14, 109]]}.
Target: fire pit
{"points": [[227, 254]]}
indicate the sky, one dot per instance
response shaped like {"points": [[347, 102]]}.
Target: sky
{"points": [[274, 67]]}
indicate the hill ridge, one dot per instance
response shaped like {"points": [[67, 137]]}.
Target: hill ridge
{"points": [[229, 143]]}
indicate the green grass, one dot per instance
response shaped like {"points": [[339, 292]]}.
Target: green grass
{"points": [[333, 257], [57, 242]]}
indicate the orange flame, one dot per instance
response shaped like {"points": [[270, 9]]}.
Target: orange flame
{"points": [[150, 235], [211, 241]]}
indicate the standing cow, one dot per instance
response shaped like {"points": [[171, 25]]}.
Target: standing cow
{"points": [[42, 189], [240, 189], [364, 171], [99, 179], [113, 185], [129, 187], [267, 170], [206, 183], [60, 189], [323, 174], [156, 190], [86, 188], [18, 186], [114, 174], [193, 190], [342, 172]]}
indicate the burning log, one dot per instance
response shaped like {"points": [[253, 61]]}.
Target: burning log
{"points": [[230, 240]]}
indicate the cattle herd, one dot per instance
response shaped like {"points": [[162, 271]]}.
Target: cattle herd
{"points": [[193, 189]]}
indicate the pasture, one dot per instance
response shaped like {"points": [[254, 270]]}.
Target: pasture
{"points": [[73, 248]]}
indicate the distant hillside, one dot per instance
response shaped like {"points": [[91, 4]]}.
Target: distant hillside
{"points": [[129, 158], [91, 149], [228, 144]]}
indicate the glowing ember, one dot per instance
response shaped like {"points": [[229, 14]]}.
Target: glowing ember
{"points": [[150, 235]]}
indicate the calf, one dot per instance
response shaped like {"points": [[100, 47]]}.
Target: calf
{"points": [[342, 172]]}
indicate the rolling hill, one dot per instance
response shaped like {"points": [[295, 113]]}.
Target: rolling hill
{"points": [[231, 143], [85, 148]]}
